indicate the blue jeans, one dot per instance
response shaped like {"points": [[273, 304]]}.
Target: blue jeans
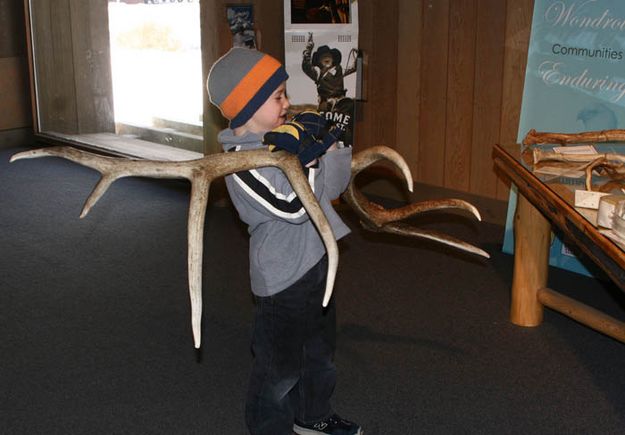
{"points": [[293, 375]]}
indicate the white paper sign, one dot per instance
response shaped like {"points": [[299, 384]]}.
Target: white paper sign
{"points": [[321, 48]]}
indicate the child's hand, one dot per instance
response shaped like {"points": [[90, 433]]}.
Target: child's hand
{"points": [[309, 135], [294, 138], [318, 126]]}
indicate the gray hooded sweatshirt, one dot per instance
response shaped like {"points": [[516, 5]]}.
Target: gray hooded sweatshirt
{"points": [[284, 242]]}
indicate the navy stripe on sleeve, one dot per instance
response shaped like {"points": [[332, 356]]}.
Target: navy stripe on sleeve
{"points": [[262, 191]]}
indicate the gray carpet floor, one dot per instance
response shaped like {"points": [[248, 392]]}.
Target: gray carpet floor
{"points": [[95, 333]]}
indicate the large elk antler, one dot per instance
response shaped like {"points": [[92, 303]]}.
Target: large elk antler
{"points": [[201, 173], [374, 217]]}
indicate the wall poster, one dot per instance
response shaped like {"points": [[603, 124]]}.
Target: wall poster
{"points": [[575, 81], [241, 23], [321, 54]]}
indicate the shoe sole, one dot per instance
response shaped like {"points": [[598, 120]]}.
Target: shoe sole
{"points": [[303, 431]]}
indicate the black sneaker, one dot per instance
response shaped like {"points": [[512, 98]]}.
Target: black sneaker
{"points": [[333, 425]]}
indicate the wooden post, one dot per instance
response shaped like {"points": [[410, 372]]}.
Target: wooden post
{"points": [[532, 234]]}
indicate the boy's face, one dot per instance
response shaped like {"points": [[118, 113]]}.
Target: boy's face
{"points": [[271, 114]]}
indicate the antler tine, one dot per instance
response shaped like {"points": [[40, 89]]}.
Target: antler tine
{"points": [[377, 218], [195, 240], [366, 158], [200, 173], [292, 168], [226, 163], [111, 168], [290, 165], [408, 230], [99, 190], [374, 154]]}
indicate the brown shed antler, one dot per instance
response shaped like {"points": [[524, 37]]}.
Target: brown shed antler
{"points": [[611, 165], [201, 173], [374, 217], [534, 137]]}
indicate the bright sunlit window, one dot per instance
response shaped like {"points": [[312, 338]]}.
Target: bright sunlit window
{"points": [[156, 62]]}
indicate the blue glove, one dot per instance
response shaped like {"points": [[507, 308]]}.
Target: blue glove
{"points": [[319, 127], [295, 138], [288, 137]]}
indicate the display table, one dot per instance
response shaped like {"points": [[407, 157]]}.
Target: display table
{"points": [[543, 203]]}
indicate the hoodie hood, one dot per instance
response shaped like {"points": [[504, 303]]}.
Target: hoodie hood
{"points": [[248, 141]]}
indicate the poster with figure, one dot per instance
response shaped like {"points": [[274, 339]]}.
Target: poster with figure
{"points": [[241, 23], [574, 81], [321, 56]]}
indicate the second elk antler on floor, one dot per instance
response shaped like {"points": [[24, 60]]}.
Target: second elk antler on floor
{"points": [[374, 217]]}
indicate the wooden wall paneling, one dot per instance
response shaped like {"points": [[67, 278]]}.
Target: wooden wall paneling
{"points": [[268, 20], [224, 36], [409, 25], [14, 102], [383, 82], [55, 69], [363, 114], [489, 59], [518, 26], [12, 38], [92, 66], [211, 30], [432, 122], [378, 39], [270, 23], [460, 84]]}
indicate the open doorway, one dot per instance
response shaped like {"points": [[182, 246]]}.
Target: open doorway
{"points": [[156, 67], [124, 76]]}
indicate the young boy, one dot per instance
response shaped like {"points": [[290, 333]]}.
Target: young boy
{"points": [[293, 375]]}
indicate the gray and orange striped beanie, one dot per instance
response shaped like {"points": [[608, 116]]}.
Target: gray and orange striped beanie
{"points": [[241, 81]]}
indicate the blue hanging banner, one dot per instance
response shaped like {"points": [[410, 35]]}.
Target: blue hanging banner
{"points": [[574, 81]]}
